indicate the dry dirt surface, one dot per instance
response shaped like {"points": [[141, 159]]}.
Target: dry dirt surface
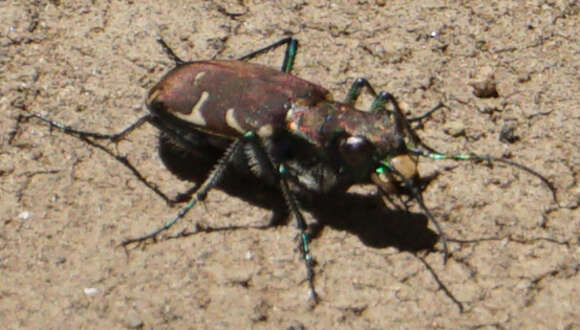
{"points": [[66, 205]]}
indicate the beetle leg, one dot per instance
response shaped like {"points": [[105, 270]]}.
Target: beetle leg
{"points": [[82, 134], [381, 99], [115, 137], [290, 54], [178, 61], [200, 193], [302, 226], [402, 121], [427, 114], [355, 90], [287, 64], [280, 171]]}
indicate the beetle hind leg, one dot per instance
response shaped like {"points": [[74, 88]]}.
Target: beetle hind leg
{"points": [[90, 137], [84, 134], [178, 61], [289, 55]]}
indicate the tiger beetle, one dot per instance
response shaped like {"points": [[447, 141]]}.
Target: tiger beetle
{"points": [[287, 132]]}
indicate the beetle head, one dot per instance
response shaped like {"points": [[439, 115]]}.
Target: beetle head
{"points": [[370, 144]]}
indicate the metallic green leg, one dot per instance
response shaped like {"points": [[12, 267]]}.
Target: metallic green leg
{"points": [[356, 89], [287, 64], [199, 194], [289, 55], [292, 204]]}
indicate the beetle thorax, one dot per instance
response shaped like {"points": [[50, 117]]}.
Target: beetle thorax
{"points": [[322, 123]]}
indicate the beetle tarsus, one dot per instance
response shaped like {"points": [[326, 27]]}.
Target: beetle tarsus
{"points": [[426, 114]]}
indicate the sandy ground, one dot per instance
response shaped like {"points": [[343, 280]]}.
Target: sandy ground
{"points": [[66, 206]]}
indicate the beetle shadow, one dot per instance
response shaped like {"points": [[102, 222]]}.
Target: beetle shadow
{"points": [[376, 225], [365, 216]]}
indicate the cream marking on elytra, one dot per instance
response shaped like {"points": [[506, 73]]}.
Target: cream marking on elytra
{"points": [[152, 96], [195, 117], [232, 122], [198, 77]]}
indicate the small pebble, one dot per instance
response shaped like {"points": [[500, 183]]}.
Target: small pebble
{"points": [[25, 215], [133, 320], [91, 291], [524, 77], [507, 134], [454, 129]]}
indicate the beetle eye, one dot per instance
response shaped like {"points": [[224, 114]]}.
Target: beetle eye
{"points": [[355, 150]]}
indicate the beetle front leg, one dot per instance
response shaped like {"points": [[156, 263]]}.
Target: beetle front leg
{"points": [[355, 90], [380, 100], [402, 121], [426, 114]]}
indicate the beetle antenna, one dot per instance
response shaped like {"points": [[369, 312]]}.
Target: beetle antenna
{"points": [[474, 157]]}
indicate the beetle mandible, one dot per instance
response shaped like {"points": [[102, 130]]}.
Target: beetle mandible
{"points": [[288, 132]]}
